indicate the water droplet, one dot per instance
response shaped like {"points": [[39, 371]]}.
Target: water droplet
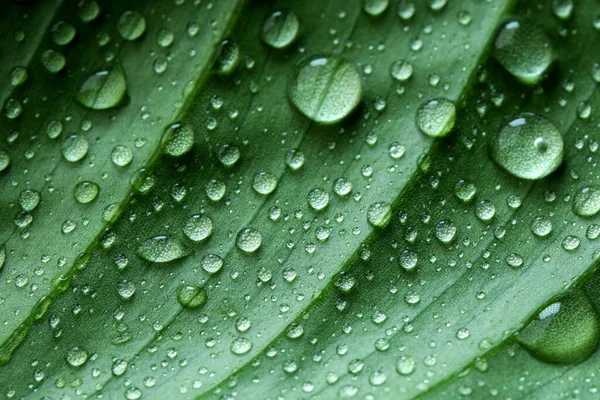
{"points": [[215, 190], [405, 365], [465, 190], [280, 29], [162, 249], [524, 50], [436, 5], [4, 160], [541, 226], [436, 117], [264, 183], [54, 129], [53, 61], [529, 147], [406, 9], [131, 25], [74, 148], [514, 260], [86, 192], [198, 227], [379, 214], [249, 240], [191, 296], [88, 10], [104, 89], [485, 210], [121, 155], [76, 356], [408, 260], [228, 58], [462, 333], [570, 243], [294, 331], [18, 76], [212, 263], [178, 139], [164, 37], [229, 155], [294, 159], [241, 346], [63, 33], [445, 231], [318, 199], [29, 199], [119, 367], [325, 89], [565, 332], [375, 7], [586, 201], [126, 289], [562, 8]]}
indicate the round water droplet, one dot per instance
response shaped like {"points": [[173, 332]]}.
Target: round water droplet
{"points": [[178, 139], [445, 231], [104, 89], [164, 37], [462, 334], [570, 243], [76, 356], [249, 240], [74, 148], [405, 365], [565, 332], [86, 192], [485, 210], [119, 367], [212, 263], [131, 25], [294, 159], [562, 8], [215, 190], [514, 260], [18, 76], [529, 147], [318, 199], [4, 160], [280, 29], [191, 296], [541, 226], [241, 346], [436, 117], [126, 289], [264, 183], [342, 187], [29, 199], [54, 129], [53, 61], [379, 214], [162, 249], [228, 58], [88, 10], [229, 155], [121, 155], [63, 33], [465, 190], [586, 201], [198, 227], [325, 89], [408, 260], [436, 5], [524, 50], [375, 7], [401, 70], [294, 331]]}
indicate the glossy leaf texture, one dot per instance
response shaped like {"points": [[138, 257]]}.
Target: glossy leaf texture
{"points": [[247, 251]]}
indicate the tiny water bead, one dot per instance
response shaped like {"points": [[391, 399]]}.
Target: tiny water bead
{"points": [[131, 25], [325, 89], [436, 117], [280, 29], [318, 199], [191, 296], [408, 260], [162, 249], [86, 192], [379, 214], [121, 155], [198, 227], [103, 90], [29, 199], [178, 139], [215, 190], [53, 61], [514, 260], [126, 289], [375, 7], [405, 365], [524, 50], [586, 202], [229, 155], [76, 356], [541, 226], [264, 183], [74, 148], [565, 332], [248, 240], [529, 147]]}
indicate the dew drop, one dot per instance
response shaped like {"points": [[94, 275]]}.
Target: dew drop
{"points": [[104, 89], [294, 159], [375, 8], [131, 25], [485, 210], [178, 139], [121, 155], [586, 202], [228, 58], [162, 249], [86, 192], [280, 29], [465, 190], [240, 346], [74, 148], [198, 227], [53, 61], [318, 199], [191, 296], [436, 118], [76, 356], [264, 183], [212, 263], [379, 214], [445, 231], [541, 226], [249, 240], [29, 199], [405, 365], [63, 33], [229, 155]]}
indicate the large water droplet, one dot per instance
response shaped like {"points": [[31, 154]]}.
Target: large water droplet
{"points": [[529, 147], [436, 117], [241, 346], [198, 227], [264, 183], [280, 29], [86, 192], [325, 89], [74, 148], [104, 89], [379, 214], [586, 201], [131, 25], [191, 296], [76, 356], [162, 249], [318, 199], [445, 231], [178, 139], [249, 240], [565, 332], [375, 7], [524, 50]]}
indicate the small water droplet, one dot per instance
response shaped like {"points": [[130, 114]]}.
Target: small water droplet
{"points": [[77, 356], [379, 214], [318, 199], [104, 89], [86, 192], [131, 25], [198, 227], [162, 249], [436, 117], [586, 202], [280, 29], [249, 240], [178, 139], [191, 296], [240, 346], [74, 148], [264, 183]]}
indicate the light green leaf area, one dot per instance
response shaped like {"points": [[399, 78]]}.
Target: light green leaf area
{"points": [[232, 259]]}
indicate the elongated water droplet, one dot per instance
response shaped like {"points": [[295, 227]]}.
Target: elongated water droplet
{"points": [[228, 58], [280, 29], [178, 139], [524, 50], [529, 147], [325, 89], [436, 117], [104, 89], [586, 202], [565, 332], [162, 249], [131, 25], [191, 296]]}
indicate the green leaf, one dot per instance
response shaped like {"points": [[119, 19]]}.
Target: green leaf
{"points": [[248, 251]]}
